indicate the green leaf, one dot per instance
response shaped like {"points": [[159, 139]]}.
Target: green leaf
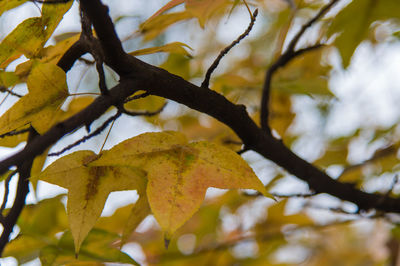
{"points": [[39, 223], [353, 30], [97, 247]]}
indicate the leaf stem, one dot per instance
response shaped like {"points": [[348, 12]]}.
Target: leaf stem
{"points": [[108, 133], [84, 93]]}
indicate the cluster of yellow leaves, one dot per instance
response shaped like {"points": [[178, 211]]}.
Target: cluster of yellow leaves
{"points": [[177, 174]]}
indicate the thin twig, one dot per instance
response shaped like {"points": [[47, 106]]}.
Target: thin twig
{"points": [[85, 138], [14, 132], [298, 195], [6, 190], [277, 195], [214, 65], [5, 89], [287, 56], [95, 50], [306, 26]]}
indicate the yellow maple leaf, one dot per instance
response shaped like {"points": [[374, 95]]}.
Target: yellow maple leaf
{"points": [[47, 91], [179, 173], [88, 188]]}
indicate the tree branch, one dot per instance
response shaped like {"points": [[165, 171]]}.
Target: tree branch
{"points": [[215, 64], [285, 58], [87, 137], [6, 191], [24, 169]]}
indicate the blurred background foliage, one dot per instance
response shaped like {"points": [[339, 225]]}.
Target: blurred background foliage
{"points": [[336, 106]]}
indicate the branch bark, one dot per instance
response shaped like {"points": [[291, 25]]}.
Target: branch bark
{"points": [[24, 170]]}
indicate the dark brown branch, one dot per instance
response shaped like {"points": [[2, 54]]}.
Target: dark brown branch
{"points": [[87, 137], [24, 169], [6, 191], [78, 49], [295, 195], [95, 50], [112, 47], [299, 195], [281, 62], [215, 64], [287, 56], [102, 77]]}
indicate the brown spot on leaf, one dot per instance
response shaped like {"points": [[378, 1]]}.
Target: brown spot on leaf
{"points": [[94, 180]]}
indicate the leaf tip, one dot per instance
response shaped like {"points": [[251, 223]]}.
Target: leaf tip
{"points": [[266, 194]]}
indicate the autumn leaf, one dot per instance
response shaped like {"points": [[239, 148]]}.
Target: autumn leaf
{"points": [[47, 91], [203, 10], [155, 26], [27, 38], [179, 173], [8, 79], [37, 223], [53, 14], [166, 7], [96, 249], [10, 4], [88, 187], [174, 47]]}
